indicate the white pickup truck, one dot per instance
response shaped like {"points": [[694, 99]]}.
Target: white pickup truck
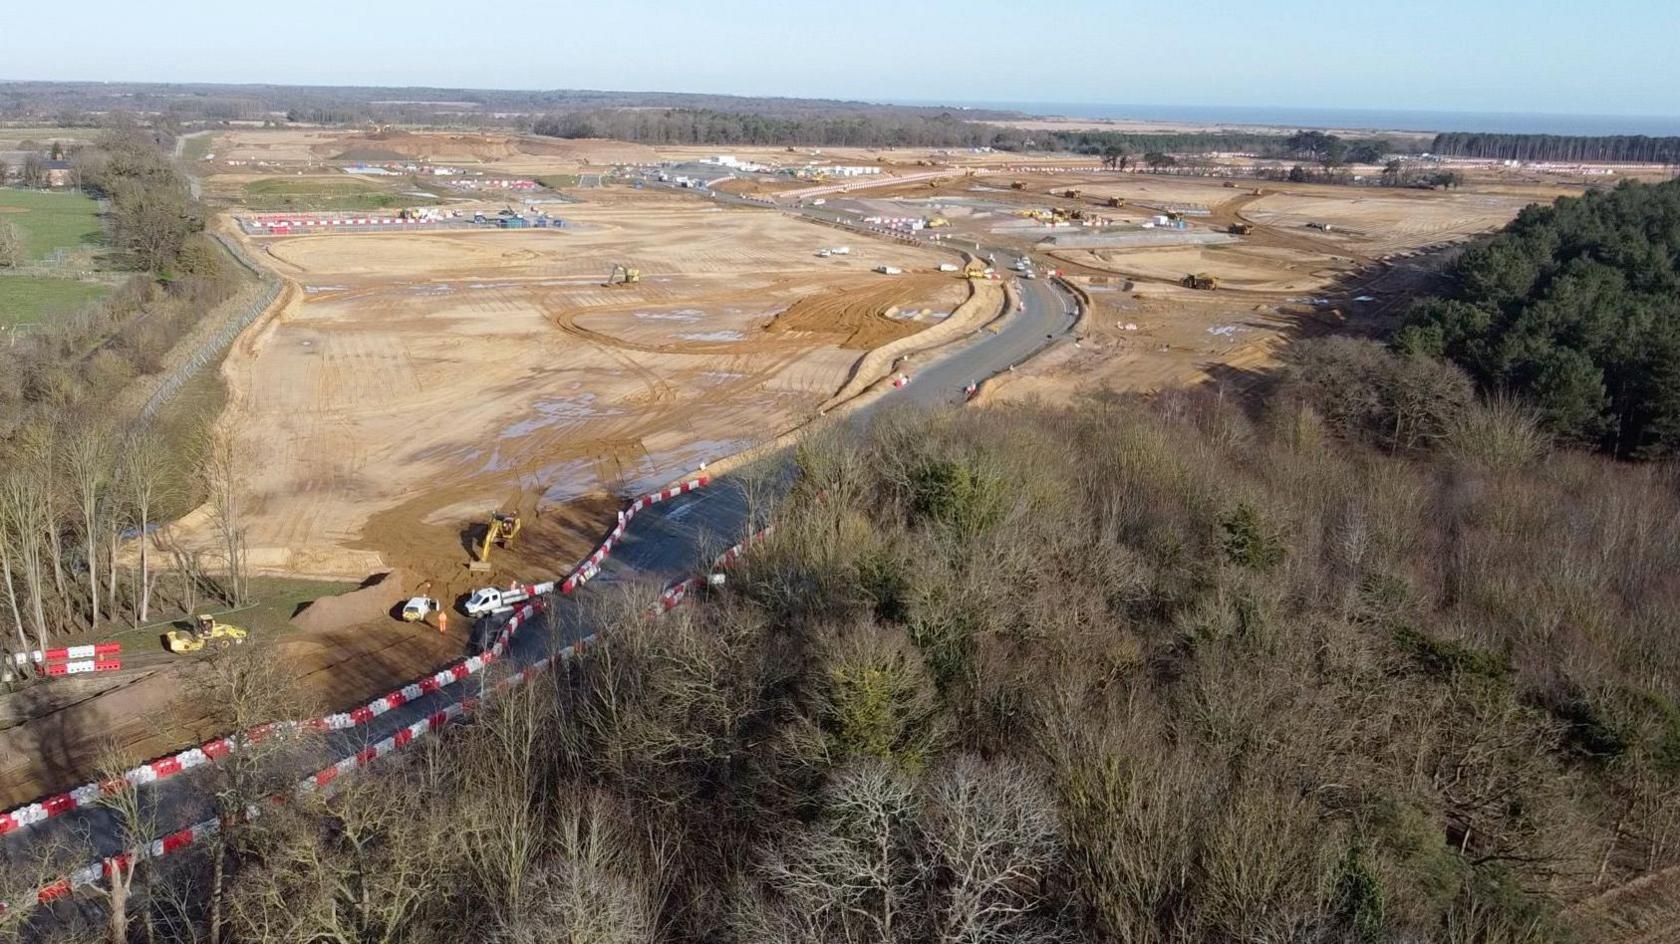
{"points": [[495, 599]]}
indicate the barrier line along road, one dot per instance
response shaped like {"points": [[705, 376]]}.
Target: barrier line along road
{"points": [[166, 767], [322, 779]]}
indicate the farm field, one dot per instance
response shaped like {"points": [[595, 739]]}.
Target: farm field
{"points": [[62, 230], [51, 220], [27, 300]]}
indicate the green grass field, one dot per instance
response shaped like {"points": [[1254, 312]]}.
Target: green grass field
{"points": [[198, 147], [27, 300], [557, 181], [326, 193], [51, 220]]}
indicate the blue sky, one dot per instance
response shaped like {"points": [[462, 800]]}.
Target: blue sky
{"points": [[1598, 56]]}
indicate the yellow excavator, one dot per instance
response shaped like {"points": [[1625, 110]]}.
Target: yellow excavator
{"points": [[502, 528], [624, 275], [206, 631]]}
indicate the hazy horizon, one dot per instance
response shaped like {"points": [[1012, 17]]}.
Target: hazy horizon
{"points": [[1492, 56]]}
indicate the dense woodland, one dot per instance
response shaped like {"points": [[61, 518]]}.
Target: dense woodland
{"points": [[1575, 308], [1633, 148], [1151, 672]]}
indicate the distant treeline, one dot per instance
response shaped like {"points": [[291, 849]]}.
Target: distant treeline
{"points": [[71, 104], [893, 127], [884, 128], [1634, 148]]}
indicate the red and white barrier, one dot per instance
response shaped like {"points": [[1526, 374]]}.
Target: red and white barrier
{"points": [[166, 767], [99, 650], [174, 842]]}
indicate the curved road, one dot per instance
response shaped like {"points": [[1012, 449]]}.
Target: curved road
{"points": [[667, 542]]}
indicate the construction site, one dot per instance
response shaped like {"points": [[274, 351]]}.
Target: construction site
{"points": [[456, 389]]}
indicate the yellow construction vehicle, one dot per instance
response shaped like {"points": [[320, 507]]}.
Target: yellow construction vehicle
{"points": [[1200, 280], [976, 269], [502, 528], [205, 632], [935, 222], [624, 275]]}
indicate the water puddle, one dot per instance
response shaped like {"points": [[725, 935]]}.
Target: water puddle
{"points": [[559, 411]]}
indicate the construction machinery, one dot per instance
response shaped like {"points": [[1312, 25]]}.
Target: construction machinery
{"points": [[1071, 193], [1018, 185], [1116, 201], [1240, 229], [499, 531], [1201, 281], [206, 631], [935, 222], [624, 275]]}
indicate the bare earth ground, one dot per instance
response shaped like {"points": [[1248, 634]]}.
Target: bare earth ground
{"points": [[414, 382], [1146, 332], [498, 363]]}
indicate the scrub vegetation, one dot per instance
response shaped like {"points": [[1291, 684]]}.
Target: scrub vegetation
{"points": [[1165, 670]]}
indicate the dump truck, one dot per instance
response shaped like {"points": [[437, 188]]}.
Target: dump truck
{"points": [[206, 631], [488, 600], [1201, 281], [1240, 229], [1018, 185], [1116, 201]]}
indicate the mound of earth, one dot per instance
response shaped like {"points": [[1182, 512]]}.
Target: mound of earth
{"points": [[358, 606]]}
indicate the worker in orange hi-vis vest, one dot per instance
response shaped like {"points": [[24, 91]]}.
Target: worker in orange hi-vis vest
{"points": [[443, 622]]}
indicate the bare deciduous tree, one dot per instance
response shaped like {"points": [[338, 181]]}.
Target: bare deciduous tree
{"points": [[245, 692], [221, 474], [147, 483], [88, 460], [25, 522]]}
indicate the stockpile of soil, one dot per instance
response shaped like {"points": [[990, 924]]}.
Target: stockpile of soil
{"points": [[358, 606]]}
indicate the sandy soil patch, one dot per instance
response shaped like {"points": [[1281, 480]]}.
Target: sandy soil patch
{"points": [[448, 374]]}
